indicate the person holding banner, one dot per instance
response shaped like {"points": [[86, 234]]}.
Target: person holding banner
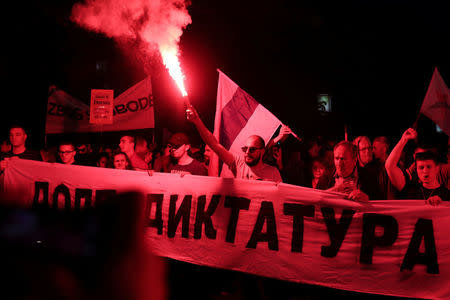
{"points": [[17, 138], [248, 165], [348, 178], [66, 153], [121, 161], [427, 186], [179, 145], [367, 164]]}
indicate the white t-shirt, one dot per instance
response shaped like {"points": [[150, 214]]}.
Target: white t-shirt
{"points": [[243, 171]]}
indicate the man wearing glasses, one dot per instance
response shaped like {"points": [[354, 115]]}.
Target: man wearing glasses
{"points": [[66, 152], [179, 146], [249, 164]]}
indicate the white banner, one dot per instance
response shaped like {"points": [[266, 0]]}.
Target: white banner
{"points": [[133, 109], [287, 232]]}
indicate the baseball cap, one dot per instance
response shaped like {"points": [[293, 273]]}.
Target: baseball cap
{"points": [[179, 138]]}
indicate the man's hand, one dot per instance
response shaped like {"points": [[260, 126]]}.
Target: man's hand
{"points": [[192, 115], [409, 134], [345, 187], [3, 165], [285, 131], [359, 196], [434, 200]]}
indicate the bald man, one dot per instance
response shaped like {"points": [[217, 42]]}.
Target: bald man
{"points": [[249, 164]]}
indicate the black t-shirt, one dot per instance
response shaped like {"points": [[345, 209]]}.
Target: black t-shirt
{"points": [[415, 190], [194, 168], [27, 154]]}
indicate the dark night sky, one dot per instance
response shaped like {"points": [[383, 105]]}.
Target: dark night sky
{"points": [[375, 58]]}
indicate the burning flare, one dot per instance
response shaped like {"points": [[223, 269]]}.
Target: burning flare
{"points": [[157, 23], [170, 60]]}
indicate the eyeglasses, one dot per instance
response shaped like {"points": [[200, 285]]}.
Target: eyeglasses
{"points": [[66, 152], [249, 149], [173, 146]]}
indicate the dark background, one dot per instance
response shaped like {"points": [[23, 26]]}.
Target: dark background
{"points": [[375, 59]]}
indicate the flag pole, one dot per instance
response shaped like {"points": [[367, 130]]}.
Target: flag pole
{"points": [[296, 136], [345, 132], [414, 126]]}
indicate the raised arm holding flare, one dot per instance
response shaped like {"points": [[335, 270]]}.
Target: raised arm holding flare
{"points": [[248, 166]]}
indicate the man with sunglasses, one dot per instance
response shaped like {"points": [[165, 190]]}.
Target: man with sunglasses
{"points": [[249, 164], [182, 163]]}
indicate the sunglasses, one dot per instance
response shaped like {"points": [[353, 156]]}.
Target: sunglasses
{"points": [[249, 149], [174, 146], [66, 152]]}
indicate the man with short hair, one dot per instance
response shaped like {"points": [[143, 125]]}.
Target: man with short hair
{"points": [[142, 149], [126, 145], [249, 165], [427, 186], [183, 163], [349, 178], [67, 152], [380, 147], [17, 138]]}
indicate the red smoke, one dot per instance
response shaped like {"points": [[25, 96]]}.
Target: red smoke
{"points": [[157, 23]]}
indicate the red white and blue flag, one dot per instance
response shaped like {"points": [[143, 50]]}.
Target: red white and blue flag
{"points": [[238, 116]]}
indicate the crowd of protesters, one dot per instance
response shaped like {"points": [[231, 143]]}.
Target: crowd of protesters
{"points": [[361, 170]]}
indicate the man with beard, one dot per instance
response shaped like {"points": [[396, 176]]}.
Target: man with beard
{"points": [[249, 164]]}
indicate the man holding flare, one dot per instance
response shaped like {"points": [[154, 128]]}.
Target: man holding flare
{"points": [[248, 165]]}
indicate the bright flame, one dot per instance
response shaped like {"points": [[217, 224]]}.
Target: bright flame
{"points": [[170, 60], [157, 24]]}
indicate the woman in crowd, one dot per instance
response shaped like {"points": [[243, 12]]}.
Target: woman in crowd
{"points": [[318, 170]]}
